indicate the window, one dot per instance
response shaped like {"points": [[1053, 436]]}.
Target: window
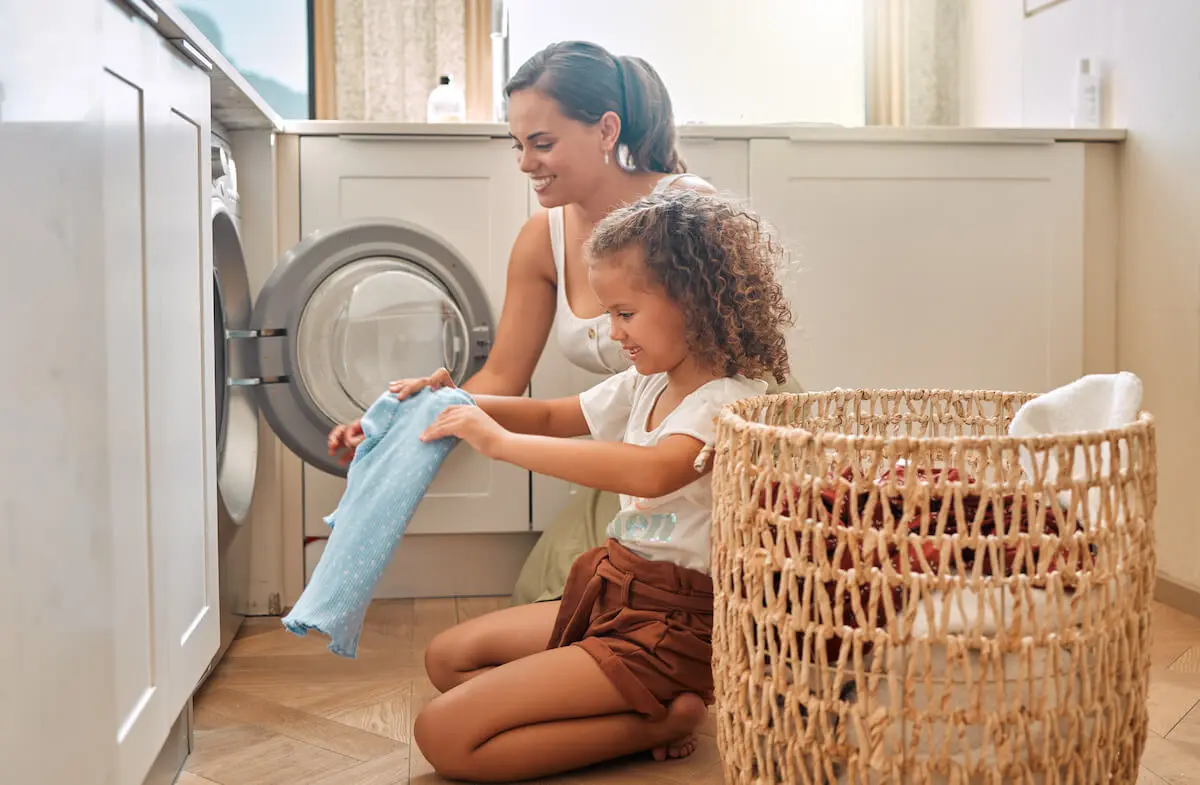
{"points": [[267, 41], [754, 61]]}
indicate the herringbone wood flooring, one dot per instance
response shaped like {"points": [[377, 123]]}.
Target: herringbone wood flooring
{"points": [[282, 710]]}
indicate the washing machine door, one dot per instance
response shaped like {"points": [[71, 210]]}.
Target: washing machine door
{"points": [[236, 410], [351, 309]]}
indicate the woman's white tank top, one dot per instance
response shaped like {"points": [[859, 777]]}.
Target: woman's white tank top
{"points": [[585, 342]]}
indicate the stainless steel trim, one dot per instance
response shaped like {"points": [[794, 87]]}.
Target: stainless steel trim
{"points": [[257, 381], [192, 53], [250, 334], [144, 10]]}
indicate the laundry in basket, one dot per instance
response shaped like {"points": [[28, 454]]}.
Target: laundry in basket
{"points": [[909, 592]]}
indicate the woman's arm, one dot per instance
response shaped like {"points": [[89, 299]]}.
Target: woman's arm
{"points": [[526, 317]]}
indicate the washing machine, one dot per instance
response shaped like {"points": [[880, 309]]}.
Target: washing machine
{"points": [[393, 255], [236, 407]]}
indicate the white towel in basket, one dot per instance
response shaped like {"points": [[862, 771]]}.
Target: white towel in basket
{"points": [[1091, 403], [1096, 402]]}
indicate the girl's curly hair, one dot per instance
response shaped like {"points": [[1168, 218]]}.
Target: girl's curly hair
{"points": [[717, 260]]}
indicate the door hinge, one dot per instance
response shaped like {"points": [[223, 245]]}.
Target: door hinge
{"points": [[255, 381]]}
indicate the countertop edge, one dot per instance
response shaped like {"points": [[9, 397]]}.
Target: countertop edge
{"points": [[796, 132], [235, 104]]}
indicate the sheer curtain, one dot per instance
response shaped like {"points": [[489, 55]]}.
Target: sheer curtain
{"points": [[913, 52], [390, 53]]}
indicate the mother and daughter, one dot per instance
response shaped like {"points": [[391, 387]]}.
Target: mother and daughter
{"points": [[682, 282]]}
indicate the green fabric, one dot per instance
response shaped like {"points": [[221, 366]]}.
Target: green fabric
{"points": [[581, 524]]}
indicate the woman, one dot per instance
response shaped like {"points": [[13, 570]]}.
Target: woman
{"points": [[593, 131]]}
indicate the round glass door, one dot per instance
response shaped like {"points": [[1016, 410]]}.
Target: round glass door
{"points": [[371, 323], [349, 310]]}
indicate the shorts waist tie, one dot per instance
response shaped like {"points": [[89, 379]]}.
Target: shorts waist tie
{"points": [[615, 565]]}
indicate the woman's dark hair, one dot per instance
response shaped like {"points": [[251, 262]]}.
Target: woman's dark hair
{"points": [[586, 80]]}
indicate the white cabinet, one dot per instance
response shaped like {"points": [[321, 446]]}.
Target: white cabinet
{"points": [[722, 162], [983, 266], [157, 258]]}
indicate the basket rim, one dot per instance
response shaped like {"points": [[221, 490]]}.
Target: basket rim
{"points": [[731, 415]]}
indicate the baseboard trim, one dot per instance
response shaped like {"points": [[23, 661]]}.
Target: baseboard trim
{"points": [[175, 751], [1179, 596]]}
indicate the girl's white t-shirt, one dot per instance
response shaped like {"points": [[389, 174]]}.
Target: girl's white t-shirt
{"points": [[675, 527]]}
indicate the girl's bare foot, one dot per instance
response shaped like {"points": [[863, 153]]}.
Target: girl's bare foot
{"points": [[685, 714]]}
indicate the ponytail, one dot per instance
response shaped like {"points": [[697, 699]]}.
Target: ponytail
{"points": [[586, 81], [647, 122]]}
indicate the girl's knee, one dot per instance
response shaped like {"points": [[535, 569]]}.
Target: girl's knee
{"points": [[439, 662], [439, 737]]}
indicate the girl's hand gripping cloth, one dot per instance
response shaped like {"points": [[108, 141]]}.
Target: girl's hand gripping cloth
{"points": [[387, 479]]}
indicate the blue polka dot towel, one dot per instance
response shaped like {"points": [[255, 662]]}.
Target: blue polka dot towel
{"points": [[387, 479]]}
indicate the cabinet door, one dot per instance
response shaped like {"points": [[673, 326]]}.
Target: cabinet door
{"points": [[468, 191], [141, 669], [179, 365], [57, 677], [929, 265], [722, 162]]}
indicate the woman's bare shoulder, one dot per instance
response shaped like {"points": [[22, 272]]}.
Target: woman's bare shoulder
{"points": [[692, 182], [531, 250]]}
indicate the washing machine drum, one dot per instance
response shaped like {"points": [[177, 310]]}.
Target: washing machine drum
{"points": [[350, 310], [371, 323]]}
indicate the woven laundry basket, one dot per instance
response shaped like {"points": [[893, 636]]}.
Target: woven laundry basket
{"points": [[906, 594]]}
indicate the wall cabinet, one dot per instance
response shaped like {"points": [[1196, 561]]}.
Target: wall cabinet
{"points": [[158, 295], [969, 266]]}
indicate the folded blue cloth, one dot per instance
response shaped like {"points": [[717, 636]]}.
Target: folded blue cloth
{"points": [[387, 479]]}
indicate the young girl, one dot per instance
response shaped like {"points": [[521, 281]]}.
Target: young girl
{"points": [[621, 664]]}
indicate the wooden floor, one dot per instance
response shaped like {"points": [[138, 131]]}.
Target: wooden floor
{"points": [[282, 710]]}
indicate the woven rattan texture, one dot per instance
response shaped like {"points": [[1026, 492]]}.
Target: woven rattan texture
{"points": [[905, 594]]}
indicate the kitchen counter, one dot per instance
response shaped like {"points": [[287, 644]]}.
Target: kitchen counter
{"points": [[797, 132]]}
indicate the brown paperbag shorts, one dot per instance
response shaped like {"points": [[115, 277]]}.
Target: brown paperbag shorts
{"points": [[648, 624]]}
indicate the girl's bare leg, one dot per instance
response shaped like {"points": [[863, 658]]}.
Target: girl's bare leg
{"points": [[547, 713], [485, 642]]}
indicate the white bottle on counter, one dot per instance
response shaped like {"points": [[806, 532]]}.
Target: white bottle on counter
{"points": [[446, 103], [1086, 112]]}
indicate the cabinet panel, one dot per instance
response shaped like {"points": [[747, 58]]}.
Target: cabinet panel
{"points": [[143, 716], [929, 265], [180, 365], [57, 671], [467, 191], [723, 162]]}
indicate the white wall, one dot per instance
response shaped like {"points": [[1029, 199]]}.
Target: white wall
{"points": [[756, 61], [1021, 73]]}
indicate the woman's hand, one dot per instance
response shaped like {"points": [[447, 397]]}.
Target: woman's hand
{"points": [[436, 380], [470, 424], [346, 438]]}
